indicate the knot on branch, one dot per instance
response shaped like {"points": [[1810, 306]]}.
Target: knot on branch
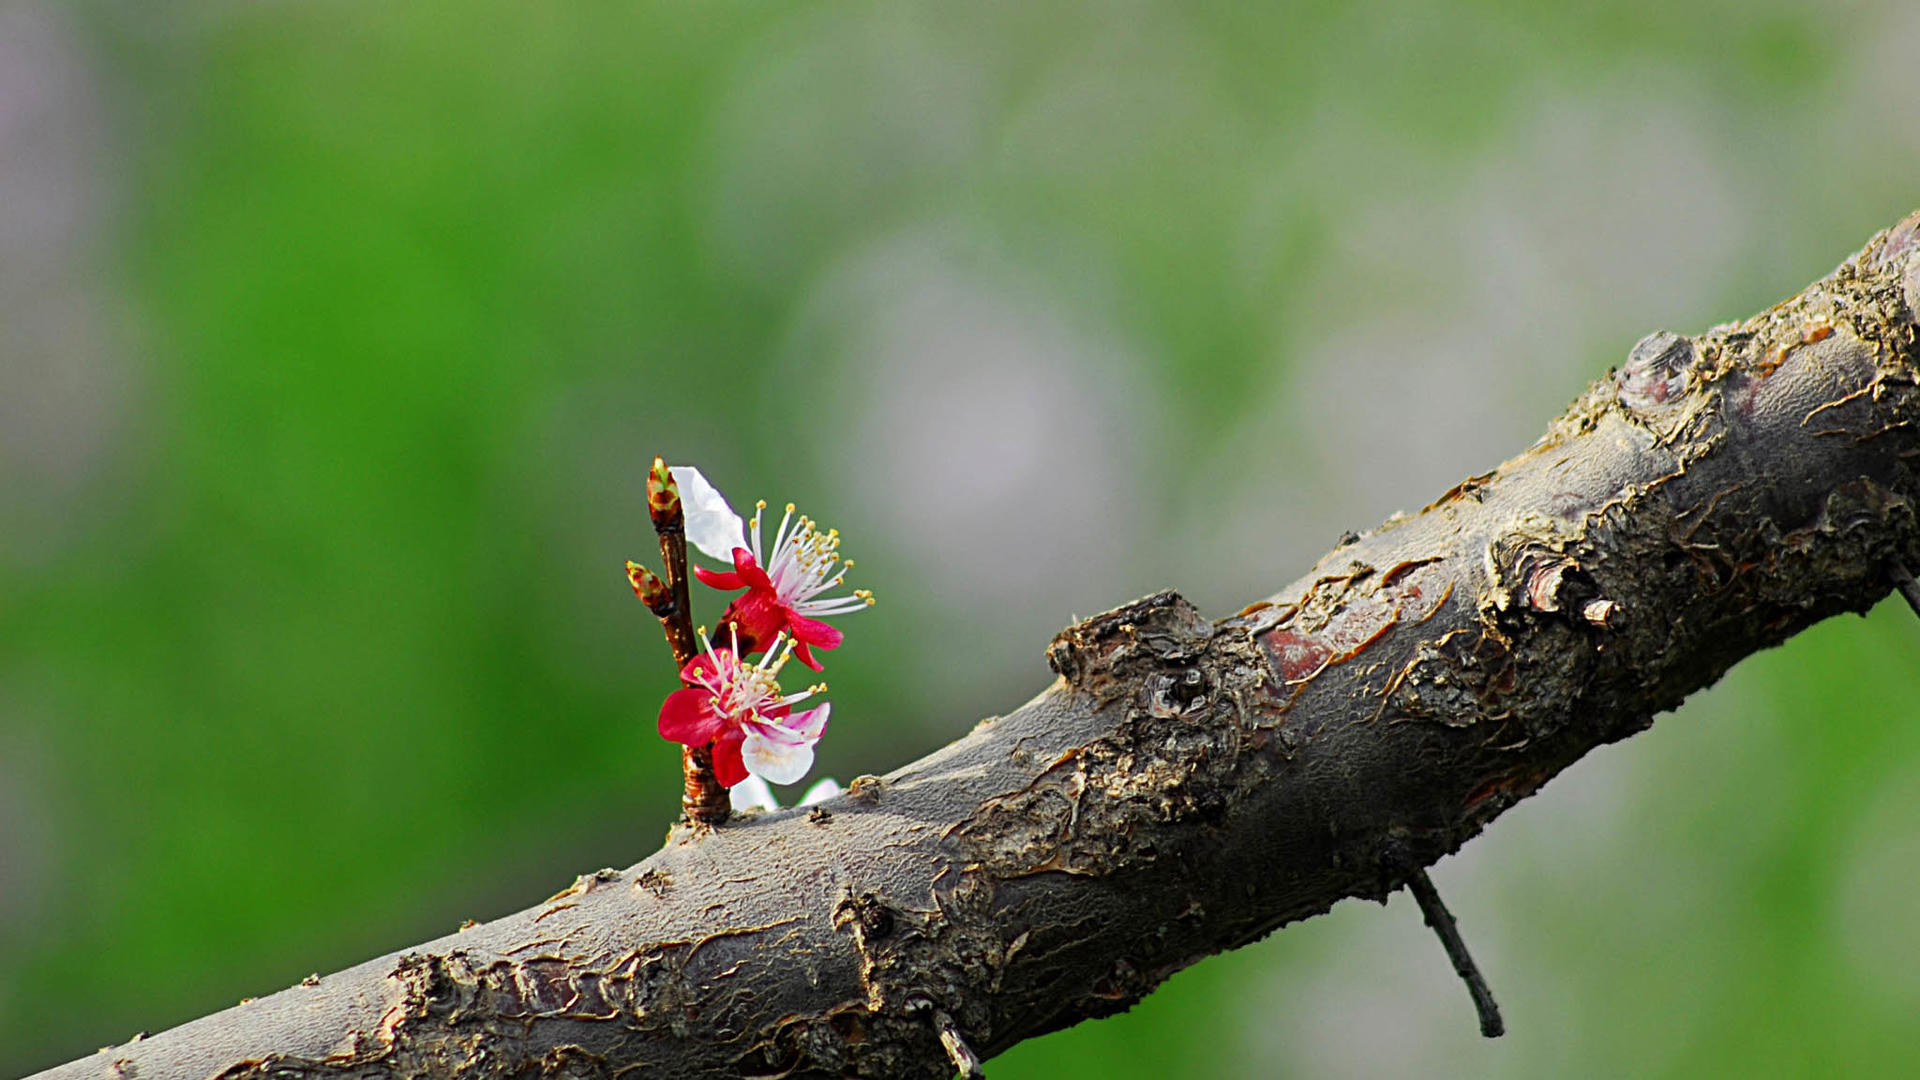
{"points": [[1656, 372], [1098, 654], [1197, 699]]}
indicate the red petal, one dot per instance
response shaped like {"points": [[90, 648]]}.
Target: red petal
{"points": [[749, 569], [687, 717], [809, 634], [702, 666], [804, 654], [759, 617], [728, 767], [814, 632], [724, 580]]}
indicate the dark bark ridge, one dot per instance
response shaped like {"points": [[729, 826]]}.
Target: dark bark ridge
{"points": [[1187, 786]]}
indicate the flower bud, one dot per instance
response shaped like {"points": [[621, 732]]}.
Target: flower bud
{"points": [[663, 495], [649, 588]]}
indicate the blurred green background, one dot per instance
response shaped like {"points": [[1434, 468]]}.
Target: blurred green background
{"points": [[337, 335]]}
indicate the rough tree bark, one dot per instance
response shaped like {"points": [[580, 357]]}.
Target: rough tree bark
{"points": [[1186, 786]]}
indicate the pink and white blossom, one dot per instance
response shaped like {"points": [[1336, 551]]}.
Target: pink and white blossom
{"points": [[784, 588], [739, 710]]}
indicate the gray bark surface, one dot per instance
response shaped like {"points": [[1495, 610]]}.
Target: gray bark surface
{"points": [[1189, 785]]}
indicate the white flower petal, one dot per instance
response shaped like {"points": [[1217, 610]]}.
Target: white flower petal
{"points": [[712, 526], [780, 762], [821, 792], [750, 793], [807, 725]]}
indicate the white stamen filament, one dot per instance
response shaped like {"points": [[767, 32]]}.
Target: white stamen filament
{"points": [[805, 563], [738, 689]]}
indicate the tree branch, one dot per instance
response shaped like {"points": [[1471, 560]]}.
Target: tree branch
{"points": [[1186, 786]]}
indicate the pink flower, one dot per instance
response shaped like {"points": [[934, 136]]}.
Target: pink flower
{"points": [[739, 709], [783, 591]]}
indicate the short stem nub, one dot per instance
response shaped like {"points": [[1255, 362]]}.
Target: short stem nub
{"points": [[1438, 917], [1903, 580], [965, 1061]]}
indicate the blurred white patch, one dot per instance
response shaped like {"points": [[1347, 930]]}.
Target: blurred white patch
{"points": [[988, 440], [1399, 409], [1610, 216], [991, 439], [62, 388], [1875, 918], [1438, 335]]}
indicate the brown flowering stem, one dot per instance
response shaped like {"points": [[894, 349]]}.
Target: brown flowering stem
{"points": [[1441, 920], [704, 799], [669, 523], [696, 762]]}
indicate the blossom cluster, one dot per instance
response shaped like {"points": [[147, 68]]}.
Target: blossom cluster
{"points": [[730, 701]]}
